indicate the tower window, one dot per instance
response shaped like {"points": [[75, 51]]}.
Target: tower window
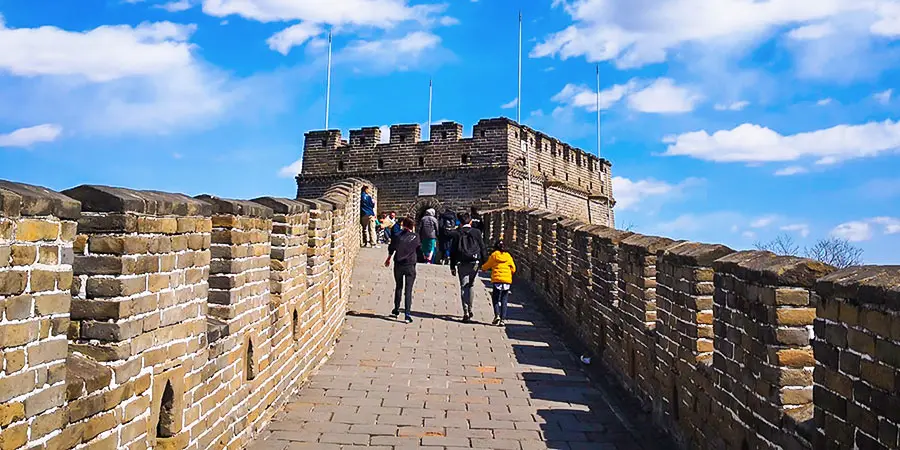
{"points": [[362, 140], [483, 133], [380, 164], [249, 367], [324, 142], [402, 138], [421, 161], [165, 428], [443, 135], [465, 158], [539, 167], [340, 166]]}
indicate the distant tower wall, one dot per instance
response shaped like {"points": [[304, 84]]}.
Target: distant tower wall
{"points": [[487, 170]]}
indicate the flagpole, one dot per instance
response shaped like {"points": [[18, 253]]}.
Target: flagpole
{"points": [[430, 98], [519, 93], [598, 110], [328, 83]]}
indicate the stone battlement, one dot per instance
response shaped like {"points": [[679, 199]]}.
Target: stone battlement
{"points": [[728, 350], [138, 319], [488, 170]]}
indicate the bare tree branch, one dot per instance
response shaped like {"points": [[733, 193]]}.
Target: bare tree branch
{"points": [[837, 252], [782, 245]]}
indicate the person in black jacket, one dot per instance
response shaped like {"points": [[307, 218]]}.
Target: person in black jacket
{"points": [[467, 251], [406, 248], [447, 223]]}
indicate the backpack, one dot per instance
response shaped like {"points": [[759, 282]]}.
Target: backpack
{"points": [[467, 247], [447, 223]]}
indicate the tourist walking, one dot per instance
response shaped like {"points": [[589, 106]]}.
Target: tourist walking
{"points": [[448, 221], [428, 233], [387, 223], [406, 248], [466, 250], [502, 269], [367, 218], [477, 223]]}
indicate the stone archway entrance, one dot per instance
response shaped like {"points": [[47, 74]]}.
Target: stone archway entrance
{"points": [[417, 209]]}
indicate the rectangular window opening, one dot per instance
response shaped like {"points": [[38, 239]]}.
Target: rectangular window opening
{"points": [[421, 161], [465, 158], [380, 164], [340, 166]]}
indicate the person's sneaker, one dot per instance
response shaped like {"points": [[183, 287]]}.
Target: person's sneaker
{"points": [[408, 319], [466, 317], [376, 246], [501, 323], [496, 320], [395, 312]]}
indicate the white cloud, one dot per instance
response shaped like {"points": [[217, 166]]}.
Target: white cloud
{"points": [[119, 79], [790, 170], [291, 170], [634, 34], [891, 224], [581, 96], [26, 137], [754, 143], [824, 101], [855, 231], [511, 104], [663, 96], [736, 106], [763, 222], [810, 32], [176, 6], [106, 53], [748, 235], [884, 97], [386, 55], [630, 194], [293, 36], [691, 223], [800, 228], [373, 13]]}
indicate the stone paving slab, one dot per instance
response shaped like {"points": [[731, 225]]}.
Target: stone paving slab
{"points": [[440, 383]]}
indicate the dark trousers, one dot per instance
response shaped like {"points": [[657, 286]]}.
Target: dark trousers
{"points": [[443, 252], [500, 299], [404, 277]]}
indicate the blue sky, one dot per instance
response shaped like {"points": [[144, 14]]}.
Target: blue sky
{"points": [[726, 121]]}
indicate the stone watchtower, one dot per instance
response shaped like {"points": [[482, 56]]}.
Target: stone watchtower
{"points": [[488, 170]]}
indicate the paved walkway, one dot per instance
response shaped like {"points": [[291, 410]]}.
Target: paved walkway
{"points": [[440, 383]]}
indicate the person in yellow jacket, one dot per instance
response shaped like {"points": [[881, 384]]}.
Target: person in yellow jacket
{"points": [[502, 268]]}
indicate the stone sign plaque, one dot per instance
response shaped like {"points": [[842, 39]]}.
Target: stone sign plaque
{"points": [[427, 188]]}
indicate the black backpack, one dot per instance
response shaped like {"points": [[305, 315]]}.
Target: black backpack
{"points": [[447, 223], [467, 246]]}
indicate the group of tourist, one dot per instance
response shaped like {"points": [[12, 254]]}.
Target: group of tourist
{"points": [[453, 239]]}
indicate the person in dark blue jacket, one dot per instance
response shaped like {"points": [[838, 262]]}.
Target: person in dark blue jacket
{"points": [[367, 218]]}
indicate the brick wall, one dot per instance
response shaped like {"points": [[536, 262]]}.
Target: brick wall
{"points": [[718, 345], [487, 170], [192, 319], [37, 228], [857, 350]]}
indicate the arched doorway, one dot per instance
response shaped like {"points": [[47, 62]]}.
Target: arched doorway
{"points": [[417, 209]]}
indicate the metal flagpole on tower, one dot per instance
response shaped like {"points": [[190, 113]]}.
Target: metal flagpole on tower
{"points": [[328, 83], [522, 137], [598, 110], [430, 97]]}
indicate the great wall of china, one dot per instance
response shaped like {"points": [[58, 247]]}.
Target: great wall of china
{"points": [[143, 319]]}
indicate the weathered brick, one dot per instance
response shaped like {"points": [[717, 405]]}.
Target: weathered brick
{"points": [[13, 282], [33, 230]]}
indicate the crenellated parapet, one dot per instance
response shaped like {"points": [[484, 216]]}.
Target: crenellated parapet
{"points": [[726, 350], [144, 319], [502, 163]]}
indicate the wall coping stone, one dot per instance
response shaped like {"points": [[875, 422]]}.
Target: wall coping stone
{"points": [[236, 207], [771, 269], [695, 253], [864, 285], [280, 205], [610, 235], [20, 199], [84, 376], [316, 204], [573, 224], [647, 244], [108, 199]]}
